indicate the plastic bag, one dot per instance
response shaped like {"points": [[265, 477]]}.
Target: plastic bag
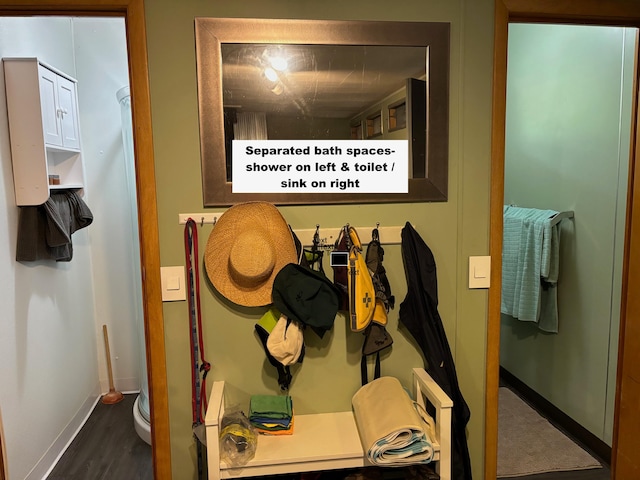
{"points": [[238, 439]]}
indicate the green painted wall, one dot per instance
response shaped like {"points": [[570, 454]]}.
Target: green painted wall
{"points": [[454, 230], [568, 125]]}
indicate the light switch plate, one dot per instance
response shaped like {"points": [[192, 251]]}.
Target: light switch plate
{"points": [[479, 272], [173, 284]]}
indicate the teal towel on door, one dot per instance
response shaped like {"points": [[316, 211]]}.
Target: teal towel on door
{"points": [[529, 256]]}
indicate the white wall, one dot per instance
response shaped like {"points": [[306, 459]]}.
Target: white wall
{"points": [[101, 70], [50, 348], [567, 148]]}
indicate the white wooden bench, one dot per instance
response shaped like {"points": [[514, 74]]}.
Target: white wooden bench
{"points": [[322, 441]]}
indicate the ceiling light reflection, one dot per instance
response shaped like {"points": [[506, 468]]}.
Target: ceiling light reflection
{"points": [[279, 63], [271, 74]]}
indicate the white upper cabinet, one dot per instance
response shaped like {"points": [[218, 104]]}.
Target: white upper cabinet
{"points": [[58, 103], [68, 113], [43, 126], [50, 118]]}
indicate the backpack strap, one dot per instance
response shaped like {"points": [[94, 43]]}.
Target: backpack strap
{"points": [[315, 255], [376, 332], [341, 273], [374, 258], [284, 373], [363, 369], [302, 260]]}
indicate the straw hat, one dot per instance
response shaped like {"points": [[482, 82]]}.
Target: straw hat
{"points": [[248, 246]]}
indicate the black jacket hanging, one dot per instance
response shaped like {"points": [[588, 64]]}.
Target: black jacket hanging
{"points": [[419, 314]]}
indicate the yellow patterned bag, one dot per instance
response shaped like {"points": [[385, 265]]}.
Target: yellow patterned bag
{"points": [[362, 298]]}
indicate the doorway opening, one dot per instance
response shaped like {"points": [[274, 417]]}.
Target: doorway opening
{"points": [[625, 430], [568, 126], [106, 257], [133, 12]]}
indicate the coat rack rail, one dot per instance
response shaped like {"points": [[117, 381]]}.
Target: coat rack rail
{"points": [[389, 235], [207, 218], [328, 235]]}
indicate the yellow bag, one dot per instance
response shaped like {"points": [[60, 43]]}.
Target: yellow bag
{"points": [[380, 313], [362, 297]]}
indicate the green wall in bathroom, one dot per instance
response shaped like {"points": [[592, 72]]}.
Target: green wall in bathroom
{"points": [[454, 230]]}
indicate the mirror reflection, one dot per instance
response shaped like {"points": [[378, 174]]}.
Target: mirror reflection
{"points": [[330, 83], [322, 92]]}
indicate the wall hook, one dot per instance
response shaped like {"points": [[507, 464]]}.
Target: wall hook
{"points": [[316, 236], [375, 234]]}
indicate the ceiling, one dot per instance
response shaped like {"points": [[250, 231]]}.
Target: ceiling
{"points": [[330, 81]]}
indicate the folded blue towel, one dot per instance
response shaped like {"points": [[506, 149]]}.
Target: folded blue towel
{"points": [[271, 425], [407, 446]]}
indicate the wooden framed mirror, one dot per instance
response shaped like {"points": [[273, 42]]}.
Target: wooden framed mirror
{"points": [[337, 74]]}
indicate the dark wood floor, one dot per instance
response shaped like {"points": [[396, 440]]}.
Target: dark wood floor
{"points": [[107, 448]]}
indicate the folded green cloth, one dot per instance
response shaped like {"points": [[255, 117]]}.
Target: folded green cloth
{"points": [[270, 406]]}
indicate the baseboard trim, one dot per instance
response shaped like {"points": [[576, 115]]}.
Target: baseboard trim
{"points": [[128, 384], [53, 454], [591, 442]]}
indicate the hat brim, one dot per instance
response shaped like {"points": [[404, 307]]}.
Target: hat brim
{"points": [[237, 219]]}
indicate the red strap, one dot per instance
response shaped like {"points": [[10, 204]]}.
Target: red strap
{"points": [[198, 398]]}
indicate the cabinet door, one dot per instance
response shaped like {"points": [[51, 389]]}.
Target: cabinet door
{"points": [[68, 113], [49, 105]]}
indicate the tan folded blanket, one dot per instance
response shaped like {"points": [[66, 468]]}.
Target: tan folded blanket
{"points": [[391, 430]]}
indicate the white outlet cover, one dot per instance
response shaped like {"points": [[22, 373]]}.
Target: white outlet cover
{"points": [[173, 284], [479, 272]]}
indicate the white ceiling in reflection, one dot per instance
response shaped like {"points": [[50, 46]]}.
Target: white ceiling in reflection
{"points": [[320, 80]]}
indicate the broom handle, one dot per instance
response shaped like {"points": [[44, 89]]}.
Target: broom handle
{"points": [[4, 469], [106, 346]]}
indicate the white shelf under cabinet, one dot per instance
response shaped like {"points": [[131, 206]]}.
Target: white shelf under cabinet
{"points": [[43, 128]]}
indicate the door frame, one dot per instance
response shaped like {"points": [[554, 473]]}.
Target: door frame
{"points": [[594, 12], [133, 13]]}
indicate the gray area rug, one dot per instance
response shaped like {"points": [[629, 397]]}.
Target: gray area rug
{"points": [[529, 444]]}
